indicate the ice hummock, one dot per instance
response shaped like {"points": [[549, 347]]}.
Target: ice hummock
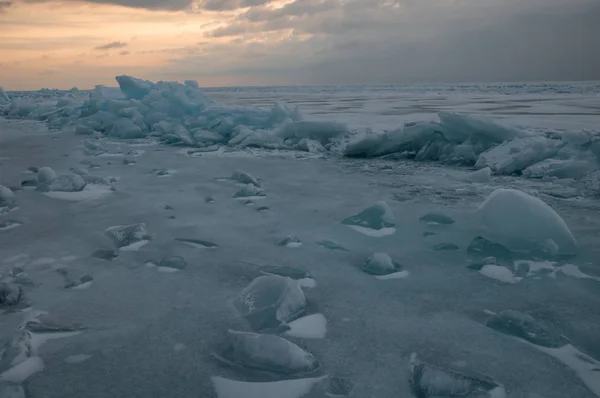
{"points": [[182, 115], [4, 98], [523, 222]]}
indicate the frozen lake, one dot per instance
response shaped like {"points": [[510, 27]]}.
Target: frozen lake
{"points": [[150, 334]]}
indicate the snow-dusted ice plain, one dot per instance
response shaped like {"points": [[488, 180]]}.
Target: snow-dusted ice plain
{"points": [[157, 240]]}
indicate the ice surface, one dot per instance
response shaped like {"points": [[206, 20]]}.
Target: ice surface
{"points": [[9, 224], [226, 388], [309, 327], [135, 314], [11, 390], [523, 221], [585, 367]]}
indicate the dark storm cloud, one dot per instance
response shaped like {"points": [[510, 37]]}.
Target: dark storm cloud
{"points": [[383, 41], [114, 44]]}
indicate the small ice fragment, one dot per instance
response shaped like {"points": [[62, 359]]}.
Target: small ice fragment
{"points": [[244, 178], [290, 241], [377, 217]]}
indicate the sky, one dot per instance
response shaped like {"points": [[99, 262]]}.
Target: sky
{"points": [[72, 43]]}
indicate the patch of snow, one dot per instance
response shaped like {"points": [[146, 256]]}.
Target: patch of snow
{"points": [[90, 192], [135, 246], [309, 327], [395, 275], [373, 233], [226, 388], [499, 273]]}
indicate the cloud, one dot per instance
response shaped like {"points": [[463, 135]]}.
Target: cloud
{"points": [[165, 5], [4, 5], [114, 44], [173, 5], [226, 5], [124, 53], [387, 41]]}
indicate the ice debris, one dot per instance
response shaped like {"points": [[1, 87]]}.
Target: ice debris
{"points": [[10, 295], [270, 301], [437, 218], [4, 99], [429, 381], [374, 220], [7, 199], [380, 264], [249, 191], [522, 221], [244, 178], [481, 176], [266, 352], [128, 237], [290, 241]]}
